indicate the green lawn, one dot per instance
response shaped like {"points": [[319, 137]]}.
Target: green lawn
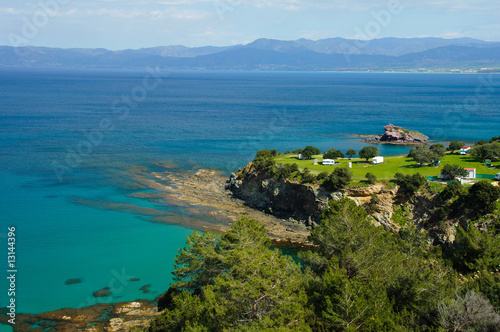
{"points": [[389, 167]]}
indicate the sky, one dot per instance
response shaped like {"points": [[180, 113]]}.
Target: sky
{"points": [[133, 24]]}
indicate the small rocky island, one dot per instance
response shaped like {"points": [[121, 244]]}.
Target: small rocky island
{"points": [[398, 135]]}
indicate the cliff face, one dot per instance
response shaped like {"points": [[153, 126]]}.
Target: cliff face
{"points": [[283, 199], [305, 203], [302, 202]]}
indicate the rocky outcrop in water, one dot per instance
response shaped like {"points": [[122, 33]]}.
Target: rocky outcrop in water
{"points": [[398, 135], [401, 135]]}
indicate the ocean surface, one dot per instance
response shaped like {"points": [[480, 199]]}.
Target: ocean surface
{"points": [[70, 138]]}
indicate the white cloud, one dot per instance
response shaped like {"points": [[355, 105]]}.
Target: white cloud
{"points": [[114, 13], [366, 5], [178, 14], [12, 11], [451, 34]]}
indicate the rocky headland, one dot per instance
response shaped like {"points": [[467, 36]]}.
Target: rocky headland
{"points": [[304, 203], [397, 135], [287, 208]]}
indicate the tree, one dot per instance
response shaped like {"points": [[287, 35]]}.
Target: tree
{"points": [[263, 161], [254, 288], [495, 139], [421, 154], [322, 176], [283, 172], [472, 312], [310, 151], [454, 146], [452, 190], [482, 197], [307, 177], [371, 178], [410, 183], [333, 154], [368, 152], [351, 152], [338, 179], [349, 296], [197, 264], [438, 150], [343, 229], [474, 250], [453, 171], [486, 151]]}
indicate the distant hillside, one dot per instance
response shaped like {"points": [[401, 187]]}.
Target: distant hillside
{"points": [[267, 54]]}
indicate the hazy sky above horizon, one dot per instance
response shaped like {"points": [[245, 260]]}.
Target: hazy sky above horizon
{"points": [[123, 24]]}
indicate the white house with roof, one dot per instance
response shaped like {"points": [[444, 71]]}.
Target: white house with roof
{"points": [[377, 160], [472, 173], [464, 150]]}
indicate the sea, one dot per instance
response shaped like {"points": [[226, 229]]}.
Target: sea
{"points": [[71, 139]]}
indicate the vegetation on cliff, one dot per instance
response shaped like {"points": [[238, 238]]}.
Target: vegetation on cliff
{"points": [[359, 277]]}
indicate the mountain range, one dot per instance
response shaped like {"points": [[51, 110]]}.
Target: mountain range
{"points": [[333, 54]]}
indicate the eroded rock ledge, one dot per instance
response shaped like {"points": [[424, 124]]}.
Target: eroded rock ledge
{"points": [[302, 202]]}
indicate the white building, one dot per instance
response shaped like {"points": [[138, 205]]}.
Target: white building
{"points": [[472, 173], [328, 162], [464, 150], [377, 160]]}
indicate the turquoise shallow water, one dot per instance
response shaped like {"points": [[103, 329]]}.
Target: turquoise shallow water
{"points": [[57, 241], [189, 120]]}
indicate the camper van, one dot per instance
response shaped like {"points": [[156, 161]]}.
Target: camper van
{"points": [[329, 162]]}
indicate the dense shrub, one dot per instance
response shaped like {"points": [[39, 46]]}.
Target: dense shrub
{"points": [[410, 183], [338, 179], [371, 178], [333, 154]]}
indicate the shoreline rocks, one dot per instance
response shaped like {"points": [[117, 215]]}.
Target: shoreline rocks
{"points": [[397, 135], [120, 316]]}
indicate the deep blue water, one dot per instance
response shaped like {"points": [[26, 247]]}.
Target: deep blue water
{"points": [[63, 138]]}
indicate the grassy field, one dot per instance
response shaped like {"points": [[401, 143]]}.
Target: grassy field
{"points": [[389, 167]]}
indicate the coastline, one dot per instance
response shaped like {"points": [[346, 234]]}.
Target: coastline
{"points": [[389, 143]]}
